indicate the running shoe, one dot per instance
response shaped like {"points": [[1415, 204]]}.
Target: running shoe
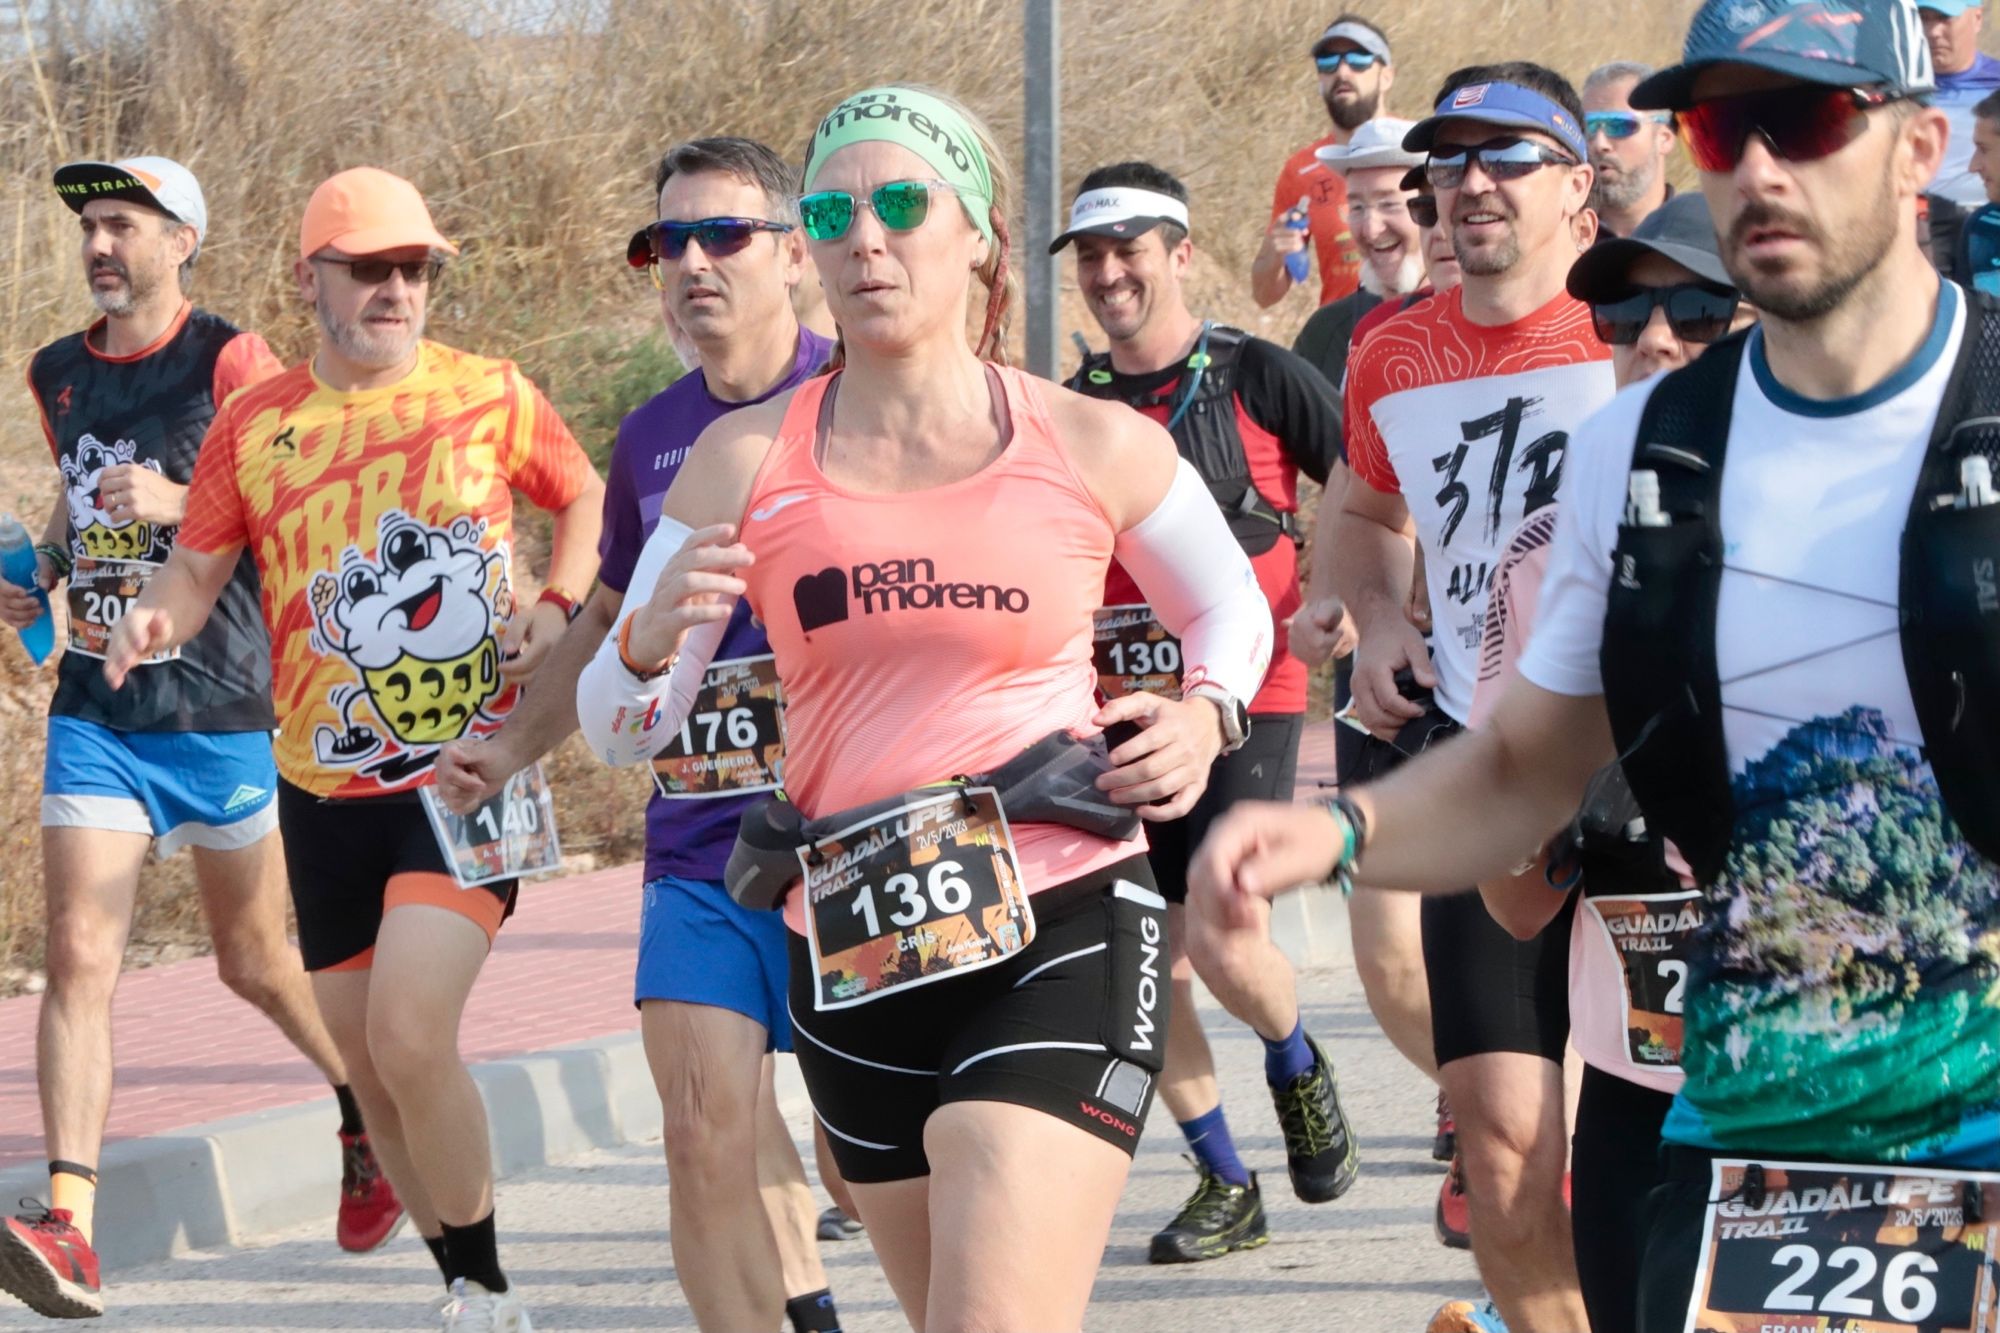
{"points": [[1453, 1221], [1444, 1147], [1466, 1317], [46, 1262], [1320, 1151], [1217, 1218], [836, 1225], [474, 1309], [370, 1212]]}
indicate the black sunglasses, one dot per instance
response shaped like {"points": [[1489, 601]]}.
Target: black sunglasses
{"points": [[717, 236], [1423, 209], [1697, 312], [374, 272], [1504, 159]]}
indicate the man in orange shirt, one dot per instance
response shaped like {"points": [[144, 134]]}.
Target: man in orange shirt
{"points": [[373, 486], [1355, 72]]}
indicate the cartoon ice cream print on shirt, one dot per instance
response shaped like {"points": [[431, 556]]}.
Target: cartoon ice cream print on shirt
{"points": [[419, 622], [114, 559], [97, 535]]}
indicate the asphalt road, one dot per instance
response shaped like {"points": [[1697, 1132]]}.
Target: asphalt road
{"points": [[587, 1241]]}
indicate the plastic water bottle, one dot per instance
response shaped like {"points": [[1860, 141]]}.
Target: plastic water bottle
{"points": [[1298, 263], [17, 565]]}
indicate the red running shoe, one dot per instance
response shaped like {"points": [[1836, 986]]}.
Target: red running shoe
{"points": [[1444, 1146], [370, 1212], [46, 1262], [1453, 1221]]}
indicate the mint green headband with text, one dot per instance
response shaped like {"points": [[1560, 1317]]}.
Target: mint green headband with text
{"points": [[924, 125]]}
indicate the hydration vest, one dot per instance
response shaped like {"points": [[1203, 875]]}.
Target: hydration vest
{"points": [[1201, 411], [1661, 685]]}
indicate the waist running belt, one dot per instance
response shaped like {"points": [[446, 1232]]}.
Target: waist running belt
{"points": [[1053, 781]]}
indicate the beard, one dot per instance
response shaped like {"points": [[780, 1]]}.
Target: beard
{"points": [[1862, 246], [365, 346], [1622, 189], [1409, 276], [122, 301], [1489, 262], [1353, 115]]}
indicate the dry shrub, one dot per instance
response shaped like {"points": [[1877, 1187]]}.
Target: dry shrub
{"points": [[532, 128]]}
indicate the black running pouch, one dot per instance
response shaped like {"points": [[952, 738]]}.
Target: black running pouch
{"points": [[1951, 653]]}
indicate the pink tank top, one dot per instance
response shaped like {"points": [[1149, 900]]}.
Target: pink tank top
{"points": [[931, 633]]}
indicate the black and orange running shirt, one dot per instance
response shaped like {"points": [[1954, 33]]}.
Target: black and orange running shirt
{"points": [[150, 409], [381, 522]]}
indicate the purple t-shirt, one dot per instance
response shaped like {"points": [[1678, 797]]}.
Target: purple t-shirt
{"points": [[688, 838]]}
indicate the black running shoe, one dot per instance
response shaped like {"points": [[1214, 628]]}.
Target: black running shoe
{"points": [[1216, 1219], [1319, 1147]]}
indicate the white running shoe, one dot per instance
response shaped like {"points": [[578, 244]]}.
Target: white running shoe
{"points": [[474, 1309]]}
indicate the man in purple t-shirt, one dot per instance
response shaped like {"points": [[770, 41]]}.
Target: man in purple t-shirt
{"points": [[710, 984]]}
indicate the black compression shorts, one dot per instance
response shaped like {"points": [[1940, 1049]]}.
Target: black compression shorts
{"points": [[1265, 769], [1075, 1026], [351, 861], [1489, 991]]}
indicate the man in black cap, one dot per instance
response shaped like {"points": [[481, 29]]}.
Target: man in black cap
{"points": [[1251, 418], [1750, 599], [1660, 298], [180, 759]]}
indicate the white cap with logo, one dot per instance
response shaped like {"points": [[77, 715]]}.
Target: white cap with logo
{"points": [[157, 182]]}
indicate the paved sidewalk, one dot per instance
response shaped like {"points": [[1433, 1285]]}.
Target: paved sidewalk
{"points": [[188, 1052], [587, 1240]]}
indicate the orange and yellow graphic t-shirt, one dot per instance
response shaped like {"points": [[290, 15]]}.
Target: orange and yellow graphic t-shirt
{"points": [[381, 522]]}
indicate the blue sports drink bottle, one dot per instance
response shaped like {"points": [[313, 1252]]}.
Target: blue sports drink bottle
{"points": [[17, 565]]}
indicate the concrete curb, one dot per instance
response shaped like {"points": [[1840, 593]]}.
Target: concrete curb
{"points": [[230, 1181]]}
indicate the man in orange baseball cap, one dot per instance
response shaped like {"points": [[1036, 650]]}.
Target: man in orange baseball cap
{"points": [[373, 483]]}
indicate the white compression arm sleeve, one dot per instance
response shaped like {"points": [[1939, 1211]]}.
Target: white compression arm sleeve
{"points": [[1199, 583], [627, 720]]}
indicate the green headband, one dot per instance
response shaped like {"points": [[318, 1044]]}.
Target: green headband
{"points": [[921, 123]]}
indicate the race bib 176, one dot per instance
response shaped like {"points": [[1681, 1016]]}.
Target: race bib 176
{"points": [[733, 742], [1795, 1248]]}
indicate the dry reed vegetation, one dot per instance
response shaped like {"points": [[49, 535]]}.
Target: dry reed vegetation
{"points": [[532, 126]]}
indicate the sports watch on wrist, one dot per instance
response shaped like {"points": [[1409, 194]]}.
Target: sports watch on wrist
{"points": [[1235, 716]]}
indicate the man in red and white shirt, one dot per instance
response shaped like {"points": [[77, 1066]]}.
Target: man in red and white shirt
{"points": [[1458, 414]]}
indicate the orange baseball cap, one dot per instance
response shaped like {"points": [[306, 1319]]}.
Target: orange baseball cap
{"points": [[366, 210]]}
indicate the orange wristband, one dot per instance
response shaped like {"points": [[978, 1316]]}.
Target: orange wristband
{"points": [[625, 656]]}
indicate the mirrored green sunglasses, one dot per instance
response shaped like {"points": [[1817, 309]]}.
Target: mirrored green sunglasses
{"points": [[900, 205]]}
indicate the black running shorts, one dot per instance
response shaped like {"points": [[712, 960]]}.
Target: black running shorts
{"points": [[1075, 1025], [1265, 769], [351, 861], [1489, 991]]}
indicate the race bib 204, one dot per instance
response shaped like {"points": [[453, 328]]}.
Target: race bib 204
{"points": [[100, 593], [733, 742], [926, 891], [1796, 1248]]}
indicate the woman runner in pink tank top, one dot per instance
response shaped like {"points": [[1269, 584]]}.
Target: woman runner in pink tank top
{"points": [[979, 1000]]}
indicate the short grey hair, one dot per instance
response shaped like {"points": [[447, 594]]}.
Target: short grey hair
{"points": [[745, 159], [1616, 72]]}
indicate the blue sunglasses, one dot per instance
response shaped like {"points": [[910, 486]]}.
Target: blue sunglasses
{"points": [[1352, 59]]}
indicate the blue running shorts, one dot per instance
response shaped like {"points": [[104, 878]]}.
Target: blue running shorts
{"points": [[213, 789], [696, 946]]}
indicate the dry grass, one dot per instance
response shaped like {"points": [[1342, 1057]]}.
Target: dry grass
{"points": [[532, 126]]}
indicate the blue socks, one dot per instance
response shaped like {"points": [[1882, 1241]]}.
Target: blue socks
{"points": [[1208, 1136], [1288, 1057]]}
